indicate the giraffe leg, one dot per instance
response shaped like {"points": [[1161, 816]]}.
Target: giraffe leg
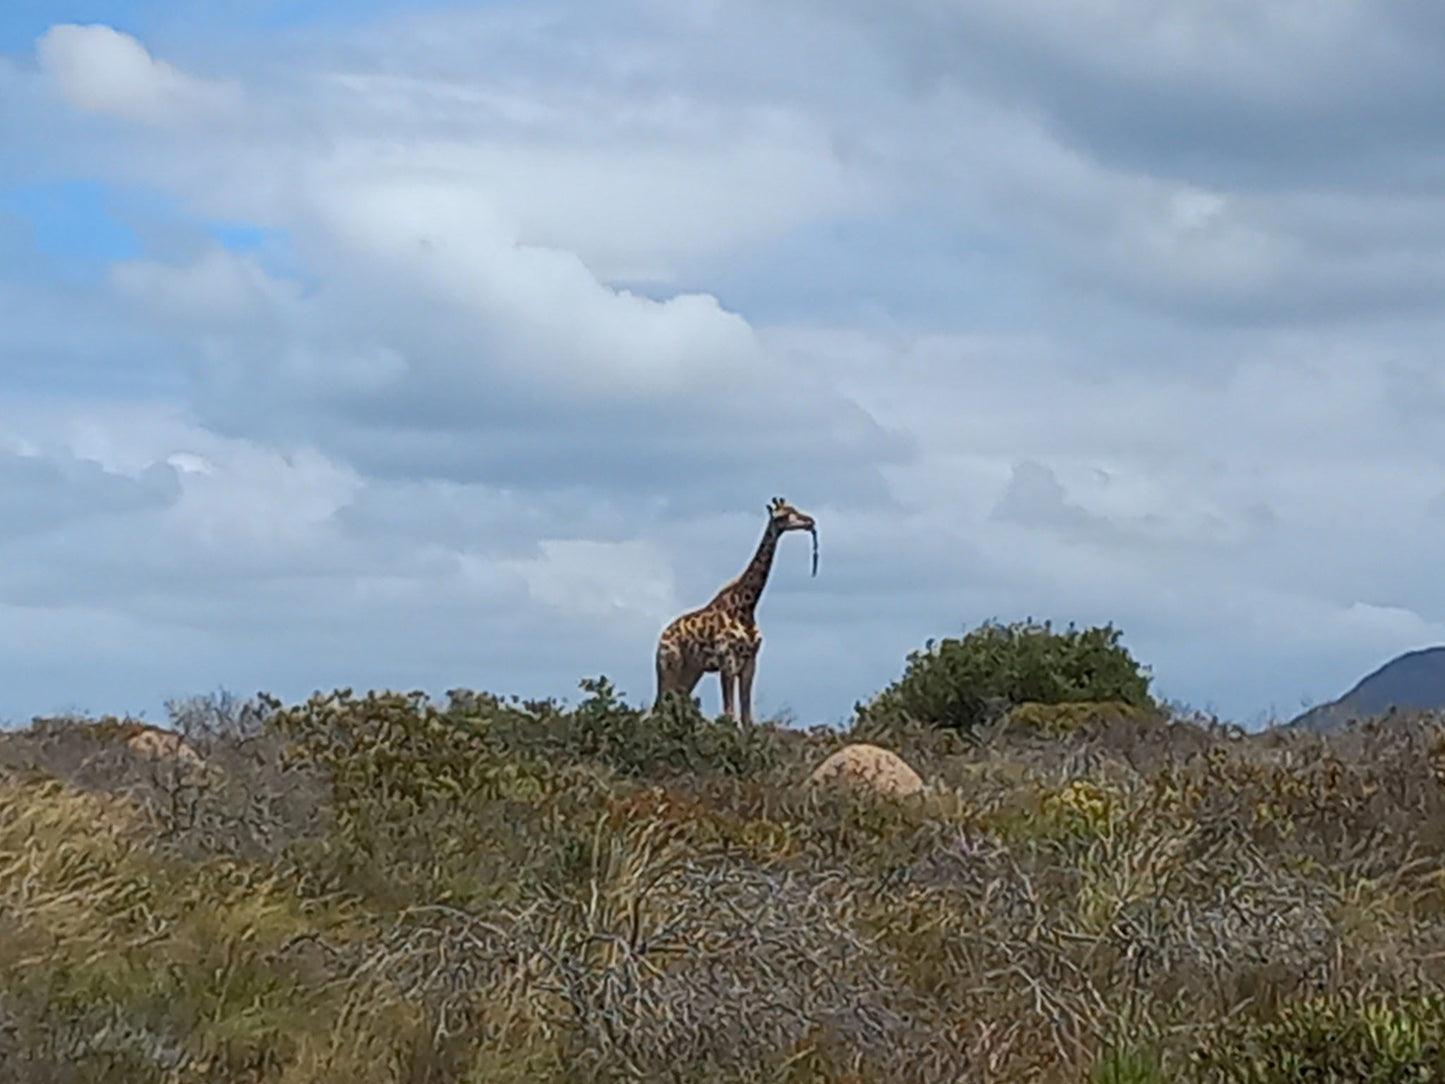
{"points": [[729, 680], [674, 675], [745, 689], [666, 676], [666, 679]]}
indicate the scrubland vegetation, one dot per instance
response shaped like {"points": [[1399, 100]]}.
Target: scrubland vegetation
{"points": [[377, 887]]}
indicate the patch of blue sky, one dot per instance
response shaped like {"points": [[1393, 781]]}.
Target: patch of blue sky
{"points": [[80, 228], [239, 236], [22, 21], [270, 246], [70, 234], [74, 221]]}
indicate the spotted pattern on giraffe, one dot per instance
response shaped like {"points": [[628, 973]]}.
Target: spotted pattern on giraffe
{"points": [[722, 637]]}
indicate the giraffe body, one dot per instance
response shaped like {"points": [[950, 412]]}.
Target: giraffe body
{"points": [[722, 637]]}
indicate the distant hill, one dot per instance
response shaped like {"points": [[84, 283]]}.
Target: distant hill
{"points": [[1414, 681]]}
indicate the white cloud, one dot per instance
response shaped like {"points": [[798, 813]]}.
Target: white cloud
{"points": [[437, 244], [632, 205], [101, 70], [260, 502], [603, 582]]}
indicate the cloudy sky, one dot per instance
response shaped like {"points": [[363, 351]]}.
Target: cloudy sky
{"points": [[414, 345]]}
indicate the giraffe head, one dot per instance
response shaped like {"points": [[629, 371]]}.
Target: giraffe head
{"points": [[787, 518]]}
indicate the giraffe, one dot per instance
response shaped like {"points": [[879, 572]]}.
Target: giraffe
{"points": [[722, 637]]}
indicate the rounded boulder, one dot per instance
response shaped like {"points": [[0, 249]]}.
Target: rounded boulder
{"points": [[155, 744], [871, 767]]}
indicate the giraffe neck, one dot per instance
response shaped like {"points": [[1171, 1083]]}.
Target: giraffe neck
{"points": [[744, 592]]}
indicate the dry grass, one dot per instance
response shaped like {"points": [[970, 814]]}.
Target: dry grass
{"points": [[382, 889]]}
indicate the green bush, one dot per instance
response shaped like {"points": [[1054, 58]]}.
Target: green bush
{"points": [[1059, 720], [675, 739], [422, 805], [1359, 1038], [964, 683], [482, 796]]}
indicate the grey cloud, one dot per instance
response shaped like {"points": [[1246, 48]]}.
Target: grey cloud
{"points": [[1254, 97], [696, 463], [1036, 498], [41, 492], [1269, 166]]}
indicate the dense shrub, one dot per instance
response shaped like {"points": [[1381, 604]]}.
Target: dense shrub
{"points": [[433, 802], [966, 682], [1058, 720], [675, 739], [421, 805]]}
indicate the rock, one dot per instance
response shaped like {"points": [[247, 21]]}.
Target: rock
{"points": [[868, 766], [164, 745]]}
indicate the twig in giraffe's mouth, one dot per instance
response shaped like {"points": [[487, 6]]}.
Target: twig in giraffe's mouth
{"points": [[814, 532]]}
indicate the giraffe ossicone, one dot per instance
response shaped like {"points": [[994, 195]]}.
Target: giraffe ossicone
{"points": [[722, 637]]}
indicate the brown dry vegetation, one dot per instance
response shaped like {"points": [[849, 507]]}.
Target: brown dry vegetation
{"points": [[379, 888]]}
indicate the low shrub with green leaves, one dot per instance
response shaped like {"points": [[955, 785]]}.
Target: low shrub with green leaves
{"points": [[675, 739], [966, 682], [423, 805]]}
